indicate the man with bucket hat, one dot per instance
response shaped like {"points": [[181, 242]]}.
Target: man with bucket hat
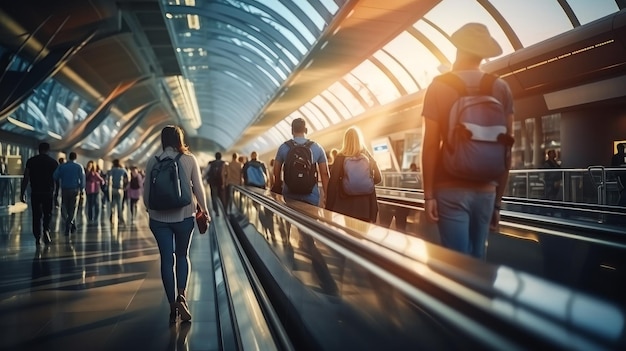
{"points": [[465, 208]]}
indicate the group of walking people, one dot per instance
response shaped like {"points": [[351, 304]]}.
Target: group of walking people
{"points": [[81, 188]]}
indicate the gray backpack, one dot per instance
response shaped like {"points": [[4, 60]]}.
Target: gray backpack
{"points": [[477, 144], [357, 177]]}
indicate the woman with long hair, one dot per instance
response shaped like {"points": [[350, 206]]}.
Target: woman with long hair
{"points": [[134, 190], [92, 187], [352, 178], [173, 228]]}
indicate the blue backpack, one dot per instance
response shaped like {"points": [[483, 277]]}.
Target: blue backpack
{"points": [[477, 144], [358, 176], [255, 175]]}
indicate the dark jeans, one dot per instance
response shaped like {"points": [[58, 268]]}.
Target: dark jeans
{"points": [[217, 192], [41, 204], [69, 201], [6, 189], [173, 240], [93, 207]]}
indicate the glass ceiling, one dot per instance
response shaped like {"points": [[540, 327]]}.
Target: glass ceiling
{"points": [[237, 53], [409, 62]]}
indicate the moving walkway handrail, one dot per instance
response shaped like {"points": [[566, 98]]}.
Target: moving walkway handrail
{"points": [[448, 285], [240, 304], [415, 201]]}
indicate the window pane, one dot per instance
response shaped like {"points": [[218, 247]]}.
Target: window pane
{"points": [[352, 103], [313, 14], [396, 69], [338, 104], [376, 82], [415, 57], [472, 12], [549, 19], [290, 17], [587, 11], [326, 108]]}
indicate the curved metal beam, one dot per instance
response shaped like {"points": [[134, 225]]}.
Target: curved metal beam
{"points": [[91, 122], [240, 19], [19, 85], [148, 133], [134, 120]]}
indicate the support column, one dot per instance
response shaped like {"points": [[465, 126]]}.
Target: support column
{"points": [[587, 136]]}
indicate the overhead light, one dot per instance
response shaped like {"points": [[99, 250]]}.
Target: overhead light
{"points": [[193, 21], [55, 135], [183, 96], [20, 124], [169, 15]]}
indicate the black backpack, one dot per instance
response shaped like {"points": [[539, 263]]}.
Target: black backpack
{"points": [[134, 182], [214, 175], [169, 186], [300, 173]]}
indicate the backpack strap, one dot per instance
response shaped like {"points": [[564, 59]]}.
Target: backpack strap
{"points": [[457, 83], [453, 81], [292, 143], [486, 84]]}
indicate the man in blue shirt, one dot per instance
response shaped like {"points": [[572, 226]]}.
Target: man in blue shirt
{"points": [[306, 243], [72, 177], [298, 129], [118, 179]]}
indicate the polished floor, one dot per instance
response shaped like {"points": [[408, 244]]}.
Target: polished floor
{"points": [[98, 289]]}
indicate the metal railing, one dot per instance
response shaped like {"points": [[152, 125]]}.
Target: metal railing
{"points": [[592, 185]]}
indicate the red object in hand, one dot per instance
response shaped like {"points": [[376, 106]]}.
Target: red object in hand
{"points": [[202, 220]]}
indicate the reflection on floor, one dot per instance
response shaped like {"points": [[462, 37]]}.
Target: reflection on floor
{"points": [[99, 289]]}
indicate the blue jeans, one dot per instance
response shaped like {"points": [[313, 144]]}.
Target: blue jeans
{"points": [[173, 239], [116, 201], [464, 218]]}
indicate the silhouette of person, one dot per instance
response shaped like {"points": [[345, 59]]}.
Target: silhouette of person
{"points": [[552, 180], [38, 173], [6, 189]]}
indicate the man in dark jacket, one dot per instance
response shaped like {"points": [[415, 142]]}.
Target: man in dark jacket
{"points": [[38, 172]]}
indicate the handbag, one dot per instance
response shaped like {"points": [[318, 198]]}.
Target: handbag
{"points": [[202, 220]]}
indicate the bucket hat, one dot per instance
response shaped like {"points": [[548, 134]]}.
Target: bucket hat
{"points": [[475, 39]]}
